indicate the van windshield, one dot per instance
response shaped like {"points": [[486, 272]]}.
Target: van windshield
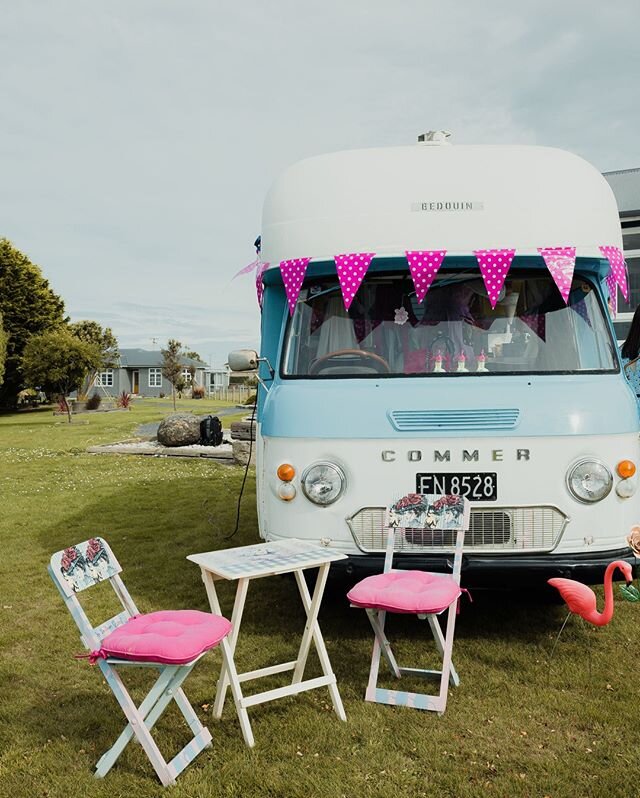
{"points": [[454, 331]]}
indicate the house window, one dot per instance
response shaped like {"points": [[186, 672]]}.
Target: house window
{"points": [[155, 378], [105, 378], [186, 376]]}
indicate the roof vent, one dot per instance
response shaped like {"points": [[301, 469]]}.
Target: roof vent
{"points": [[434, 137]]}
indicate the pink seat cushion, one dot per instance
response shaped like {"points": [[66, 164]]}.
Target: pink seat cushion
{"points": [[406, 591], [170, 636]]}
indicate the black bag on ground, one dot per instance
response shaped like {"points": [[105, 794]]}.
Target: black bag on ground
{"points": [[210, 431]]}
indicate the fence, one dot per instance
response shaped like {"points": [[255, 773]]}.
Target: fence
{"points": [[234, 393]]}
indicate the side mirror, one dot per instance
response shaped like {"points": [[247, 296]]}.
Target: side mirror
{"points": [[243, 360]]}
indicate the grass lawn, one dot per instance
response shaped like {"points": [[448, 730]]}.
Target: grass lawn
{"points": [[514, 727]]}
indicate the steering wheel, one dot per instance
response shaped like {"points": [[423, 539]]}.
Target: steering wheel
{"points": [[378, 364]]}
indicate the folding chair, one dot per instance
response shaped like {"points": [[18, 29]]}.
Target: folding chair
{"points": [[420, 521], [169, 641]]}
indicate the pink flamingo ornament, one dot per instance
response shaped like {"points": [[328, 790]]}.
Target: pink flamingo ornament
{"points": [[581, 599]]}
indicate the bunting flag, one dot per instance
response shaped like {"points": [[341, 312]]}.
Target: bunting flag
{"points": [[580, 307], [494, 265], [424, 266], [260, 270], [561, 261], [293, 272], [351, 271], [612, 285], [537, 323], [249, 268], [618, 267]]}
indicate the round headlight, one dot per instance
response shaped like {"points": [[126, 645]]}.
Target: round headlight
{"points": [[589, 481], [323, 483]]}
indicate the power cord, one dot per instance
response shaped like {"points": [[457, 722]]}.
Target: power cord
{"points": [[246, 471]]}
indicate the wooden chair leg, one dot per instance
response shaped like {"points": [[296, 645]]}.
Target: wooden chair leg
{"points": [[136, 724], [143, 718], [438, 637], [382, 647]]}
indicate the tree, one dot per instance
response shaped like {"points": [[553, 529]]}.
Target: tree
{"points": [[193, 355], [58, 361], [29, 307], [3, 349], [92, 333], [172, 365]]}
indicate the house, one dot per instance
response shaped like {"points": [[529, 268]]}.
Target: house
{"points": [[625, 184], [139, 372]]}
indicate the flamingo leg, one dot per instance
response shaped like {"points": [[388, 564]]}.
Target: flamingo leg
{"points": [[555, 643]]}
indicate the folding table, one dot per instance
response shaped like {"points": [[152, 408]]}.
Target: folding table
{"points": [[243, 564]]}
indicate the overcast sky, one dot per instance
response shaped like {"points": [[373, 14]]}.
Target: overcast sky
{"points": [[139, 137]]}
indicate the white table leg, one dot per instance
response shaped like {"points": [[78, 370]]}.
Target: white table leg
{"points": [[312, 631], [232, 638]]}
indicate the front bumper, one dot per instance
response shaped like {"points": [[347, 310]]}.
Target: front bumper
{"points": [[496, 572]]}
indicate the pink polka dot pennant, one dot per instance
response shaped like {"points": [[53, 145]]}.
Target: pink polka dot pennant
{"points": [[618, 267], [260, 270], [561, 262], [612, 285], [494, 265], [351, 270], [293, 272], [424, 266]]}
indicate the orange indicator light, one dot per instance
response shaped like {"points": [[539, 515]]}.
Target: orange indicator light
{"points": [[626, 468], [286, 472]]}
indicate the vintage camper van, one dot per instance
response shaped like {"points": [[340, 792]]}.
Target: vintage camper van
{"points": [[509, 394]]}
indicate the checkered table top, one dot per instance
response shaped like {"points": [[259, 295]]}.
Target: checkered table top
{"points": [[265, 559]]}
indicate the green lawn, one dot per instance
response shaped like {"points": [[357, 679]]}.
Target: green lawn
{"points": [[514, 727]]}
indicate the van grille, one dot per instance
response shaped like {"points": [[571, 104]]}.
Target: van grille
{"points": [[507, 529], [439, 420]]}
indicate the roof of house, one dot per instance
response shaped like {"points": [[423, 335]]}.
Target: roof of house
{"points": [[625, 184], [144, 358]]}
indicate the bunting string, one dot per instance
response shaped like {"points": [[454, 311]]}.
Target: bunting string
{"points": [[494, 265]]}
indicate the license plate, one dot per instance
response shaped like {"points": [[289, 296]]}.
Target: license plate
{"points": [[480, 487]]}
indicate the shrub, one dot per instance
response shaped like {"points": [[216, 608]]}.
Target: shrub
{"points": [[93, 402], [161, 395], [124, 400], [197, 392]]}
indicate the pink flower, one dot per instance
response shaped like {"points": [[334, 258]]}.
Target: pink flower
{"points": [[633, 540]]}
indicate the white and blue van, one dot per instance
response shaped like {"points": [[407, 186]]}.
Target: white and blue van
{"points": [[522, 408]]}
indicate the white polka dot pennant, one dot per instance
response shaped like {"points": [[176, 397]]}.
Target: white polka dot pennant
{"points": [[561, 262], [494, 265], [293, 272], [612, 285], [260, 270], [618, 268], [424, 266], [351, 270]]}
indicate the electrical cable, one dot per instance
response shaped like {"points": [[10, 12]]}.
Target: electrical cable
{"points": [[246, 472]]}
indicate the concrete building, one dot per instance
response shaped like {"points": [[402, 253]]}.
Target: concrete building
{"points": [[625, 184]]}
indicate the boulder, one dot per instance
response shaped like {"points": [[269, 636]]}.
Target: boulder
{"points": [[179, 429], [241, 452]]}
